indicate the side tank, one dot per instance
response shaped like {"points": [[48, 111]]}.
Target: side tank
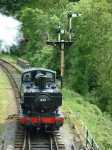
{"points": [[39, 92]]}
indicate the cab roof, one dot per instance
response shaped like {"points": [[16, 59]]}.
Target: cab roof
{"points": [[41, 69]]}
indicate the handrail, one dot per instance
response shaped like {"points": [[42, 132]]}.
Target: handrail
{"points": [[90, 142], [86, 138]]}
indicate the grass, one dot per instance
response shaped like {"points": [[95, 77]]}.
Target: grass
{"points": [[8, 57], [4, 94], [81, 111], [99, 124]]}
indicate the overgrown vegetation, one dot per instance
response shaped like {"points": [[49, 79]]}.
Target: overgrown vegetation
{"points": [[4, 101], [99, 124], [88, 62]]}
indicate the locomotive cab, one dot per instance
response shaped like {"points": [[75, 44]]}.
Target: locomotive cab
{"points": [[39, 93]]}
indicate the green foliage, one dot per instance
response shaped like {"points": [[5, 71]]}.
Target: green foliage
{"points": [[5, 100], [35, 25], [98, 123], [12, 6], [50, 6], [88, 62], [90, 57]]}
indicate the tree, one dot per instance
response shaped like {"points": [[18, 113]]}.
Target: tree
{"points": [[35, 24], [90, 58], [12, 6]]}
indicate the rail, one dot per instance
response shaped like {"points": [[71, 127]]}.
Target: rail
{"points": [[23, 63], [12, 72], [14, 76], [37, 141], [56, 144], [24, 140]]}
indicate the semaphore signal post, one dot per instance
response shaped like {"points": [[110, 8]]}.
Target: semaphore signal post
{"points": [[62, 44]]}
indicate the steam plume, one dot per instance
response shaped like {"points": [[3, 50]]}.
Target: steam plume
{"points": [[9, 32]]}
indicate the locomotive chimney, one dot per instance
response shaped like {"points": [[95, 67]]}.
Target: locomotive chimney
{"points": [[40, 81]]}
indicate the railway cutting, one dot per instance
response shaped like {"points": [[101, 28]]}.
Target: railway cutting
{"points": [[26, 139]]}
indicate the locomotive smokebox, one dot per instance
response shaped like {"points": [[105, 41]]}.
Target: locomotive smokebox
{"points": [[40, 81]]}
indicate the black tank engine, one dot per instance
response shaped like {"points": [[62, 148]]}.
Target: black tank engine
{"points": [[40, 99]]}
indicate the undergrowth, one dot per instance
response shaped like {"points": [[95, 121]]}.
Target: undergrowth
{"points": [[99, 124]]}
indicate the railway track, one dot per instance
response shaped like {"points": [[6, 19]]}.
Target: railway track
{"points": [[14, 76], [38, 141], [25, 139]]}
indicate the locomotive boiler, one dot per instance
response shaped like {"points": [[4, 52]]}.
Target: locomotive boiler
{"points": [[40, 99]]}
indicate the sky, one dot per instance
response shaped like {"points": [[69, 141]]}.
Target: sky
{"points": [[9, 32]]}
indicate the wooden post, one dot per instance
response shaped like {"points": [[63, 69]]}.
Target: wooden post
{"points": [[62, 62], [70, 28]]}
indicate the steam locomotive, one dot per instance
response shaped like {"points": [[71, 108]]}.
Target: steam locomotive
{"points": [[40, 99]]}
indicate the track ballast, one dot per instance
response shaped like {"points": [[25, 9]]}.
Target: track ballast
{"points": [[25, 139]]}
